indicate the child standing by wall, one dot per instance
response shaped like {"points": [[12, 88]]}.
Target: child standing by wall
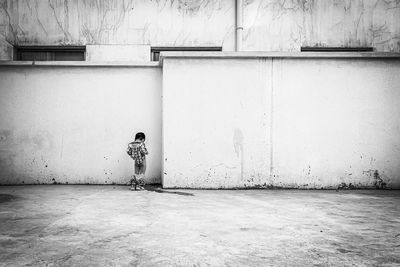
{"points": [[137, 151]]}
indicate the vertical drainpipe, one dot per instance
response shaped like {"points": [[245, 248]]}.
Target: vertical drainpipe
{"points": [[239, 25]]}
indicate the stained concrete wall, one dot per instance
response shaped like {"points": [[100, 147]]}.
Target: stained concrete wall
{"points": [[6, 49], [286, 25], [71, 124], [281, 122], [274, 25], [156, 23]]}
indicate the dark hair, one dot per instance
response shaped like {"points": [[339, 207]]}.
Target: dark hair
{"points": [[140, 136]]}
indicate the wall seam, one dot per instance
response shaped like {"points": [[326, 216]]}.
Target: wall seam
{"points": [[162, 126], [271, 137]]}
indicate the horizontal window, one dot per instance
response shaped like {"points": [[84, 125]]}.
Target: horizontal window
{"points": [[155, 51], [336, 49], [50, 53]]}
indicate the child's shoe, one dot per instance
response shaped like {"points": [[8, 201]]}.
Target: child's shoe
{"points": [[133, 188]]}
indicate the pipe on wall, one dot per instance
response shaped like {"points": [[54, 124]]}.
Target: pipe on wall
{"points": [[239, 25]]}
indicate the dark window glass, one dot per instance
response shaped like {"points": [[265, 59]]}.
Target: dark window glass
{"points": [[336, 49], [155, 51], [50, 53]]}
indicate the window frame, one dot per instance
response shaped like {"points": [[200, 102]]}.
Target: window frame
{"points": [[336, 49], [156, 50], [19, 50]]}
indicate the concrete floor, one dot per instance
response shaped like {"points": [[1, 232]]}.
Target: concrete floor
{"points": [[109, 225]]}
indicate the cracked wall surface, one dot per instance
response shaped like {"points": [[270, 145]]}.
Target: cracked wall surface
{"points": [[6, 49], [274, 25], [286, 25], [159, 23]]}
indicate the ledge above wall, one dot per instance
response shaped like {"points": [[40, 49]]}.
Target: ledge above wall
{"points": [[131, 64], [204, 55], [305, 55]]}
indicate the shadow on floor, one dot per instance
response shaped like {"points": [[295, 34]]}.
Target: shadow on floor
{"points": [[7, 198], [157, 189]]}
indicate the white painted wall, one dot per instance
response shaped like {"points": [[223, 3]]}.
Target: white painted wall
{"points": [[216, 123], [316, 122], [101, 53], [227, 122], [336, 121], [72, 124]]}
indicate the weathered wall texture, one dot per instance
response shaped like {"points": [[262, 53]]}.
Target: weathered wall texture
{"points": [[274, 25], [73, 124], [305, 123], [6, 49], [286, 25], [159, 23]]}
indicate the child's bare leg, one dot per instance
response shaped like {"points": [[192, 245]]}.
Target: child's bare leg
{"points": [[136, 176], [143, 170], [141, 175], [137, 169], [133, 183]]}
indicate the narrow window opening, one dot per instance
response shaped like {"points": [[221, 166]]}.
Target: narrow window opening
{"points": [[155, 51], [337, 49], [50, 53]]}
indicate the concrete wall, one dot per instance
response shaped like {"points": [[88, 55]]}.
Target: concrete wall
{"points": [[70, 124], [336, 121], [232, 121], [286, 25], [6, 49], [156, 23], [216, 123], [114, 53], [298, 123], [273, 25]]}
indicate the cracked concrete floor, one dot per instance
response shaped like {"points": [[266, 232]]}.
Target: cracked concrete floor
{"points": [[61, 225]]}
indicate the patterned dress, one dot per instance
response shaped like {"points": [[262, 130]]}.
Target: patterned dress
{"points": [[137, 150]]}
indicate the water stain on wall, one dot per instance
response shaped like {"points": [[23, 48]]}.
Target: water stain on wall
{"points": [[238, 144], [8, 153], [378, 181]]}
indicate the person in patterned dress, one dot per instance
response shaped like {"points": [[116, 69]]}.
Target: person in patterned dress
{"points": [[138, 151]]}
